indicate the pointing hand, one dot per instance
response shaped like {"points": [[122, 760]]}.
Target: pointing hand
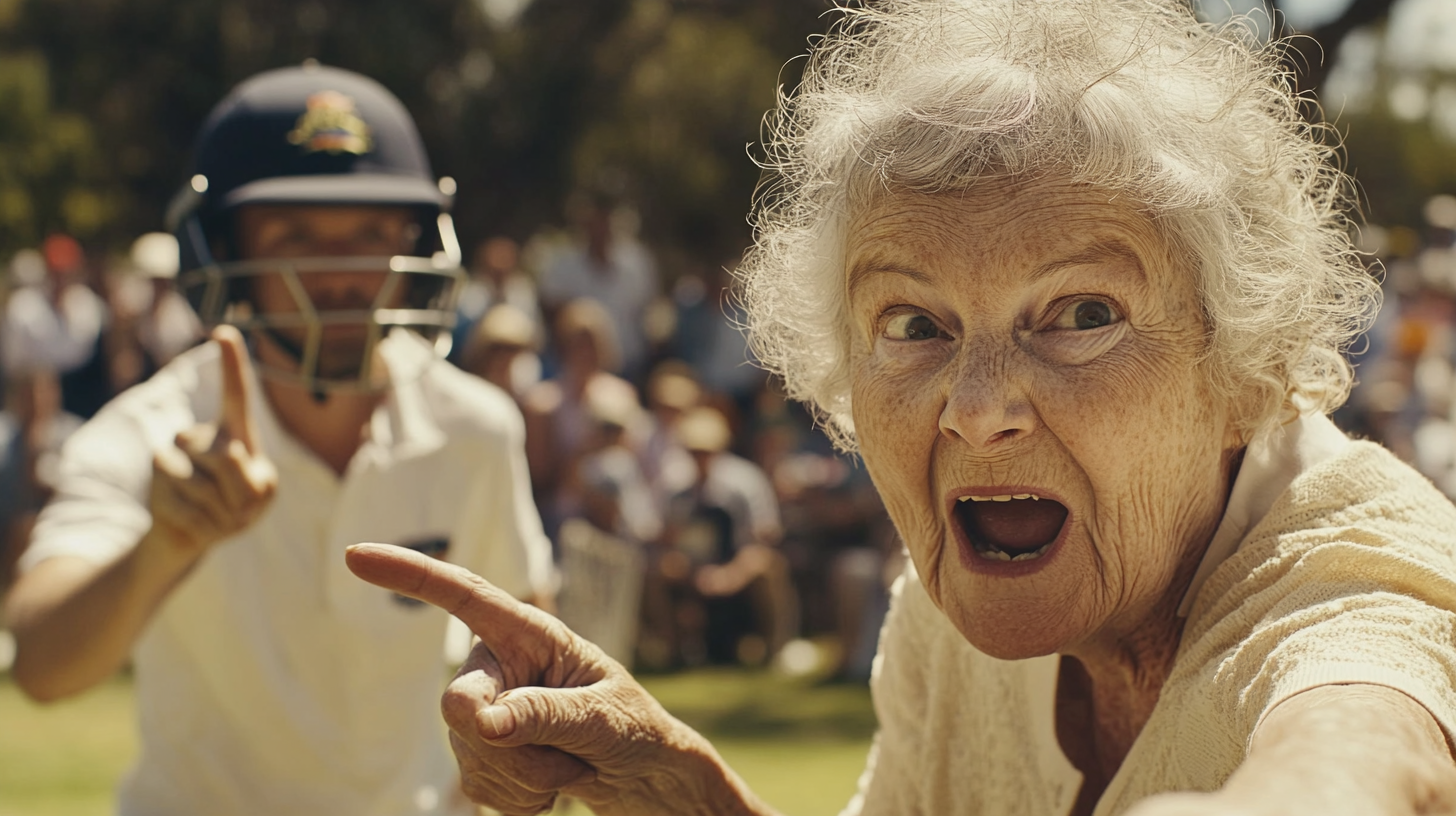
{"points": [[216, 481], [537, 711]]}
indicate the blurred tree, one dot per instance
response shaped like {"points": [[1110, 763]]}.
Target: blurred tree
{"points": [[144, 74], [653, 100], [1399, 157], [689, 105], [1393, 93], [520, 101], [51, 173], [1312, 51]]}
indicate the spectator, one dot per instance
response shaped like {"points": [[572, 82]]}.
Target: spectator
{"points": [[33, 427], [56, 325], [558, 422], [710, 338], [495, 279], [720, 591], [611, 267], [614, 494], [154, 321], [501, 350], [672, 390]]}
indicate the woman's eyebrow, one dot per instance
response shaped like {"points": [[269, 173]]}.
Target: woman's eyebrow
{"points": [[1111, 249], [867, 269], [1102, 251]]}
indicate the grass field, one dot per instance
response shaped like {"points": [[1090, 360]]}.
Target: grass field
{"points": [[801, 747]]}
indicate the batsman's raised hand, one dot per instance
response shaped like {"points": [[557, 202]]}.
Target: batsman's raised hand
{"points": [[216, 480], [538, 711]]}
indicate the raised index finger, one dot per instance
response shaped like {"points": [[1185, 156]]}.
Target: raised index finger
{"points": [[505, 625], [237, 385]]}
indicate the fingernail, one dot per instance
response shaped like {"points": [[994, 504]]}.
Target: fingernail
{"points": [[497, 721]]}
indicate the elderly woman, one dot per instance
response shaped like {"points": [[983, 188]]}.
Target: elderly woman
{"points": [[1073, 278]]}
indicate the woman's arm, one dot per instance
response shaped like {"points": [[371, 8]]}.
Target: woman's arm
{"points": [[1356, 749]]}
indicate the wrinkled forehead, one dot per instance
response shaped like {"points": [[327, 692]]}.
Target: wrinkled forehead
{"points": [[1047, 219]]}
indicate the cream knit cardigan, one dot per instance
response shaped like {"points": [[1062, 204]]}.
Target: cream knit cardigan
{"points": [[1340, 568]]}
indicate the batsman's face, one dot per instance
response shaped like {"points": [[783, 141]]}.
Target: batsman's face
{"points": [[293, 232]]}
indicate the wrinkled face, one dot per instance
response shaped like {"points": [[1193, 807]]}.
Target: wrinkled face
{"points": [[267, 232], [1028, 397]]}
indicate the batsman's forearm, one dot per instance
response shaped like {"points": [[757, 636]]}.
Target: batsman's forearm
{"points": [[75, 622]]}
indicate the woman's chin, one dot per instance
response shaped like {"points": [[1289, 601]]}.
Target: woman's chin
{"points": [[1011, 643], [1014, 627]]}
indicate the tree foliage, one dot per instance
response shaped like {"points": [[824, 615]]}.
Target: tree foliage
{"points": [[657, 100], [102, 99]]}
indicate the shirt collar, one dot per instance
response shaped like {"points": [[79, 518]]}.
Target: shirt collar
{"points": [[404, 425], [1272, 461]]}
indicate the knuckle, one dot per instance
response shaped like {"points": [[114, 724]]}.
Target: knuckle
{"points": [[487, 787], [261, 475], [476, 791], [171, 465], [458, 708], [235, 453], [196, 439]]}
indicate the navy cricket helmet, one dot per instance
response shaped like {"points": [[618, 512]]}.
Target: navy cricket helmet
{"points": [[315, 136]]}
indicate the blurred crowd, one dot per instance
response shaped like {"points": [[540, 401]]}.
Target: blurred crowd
{"points": [[74, 332], [697, 515], [1405, 366]]}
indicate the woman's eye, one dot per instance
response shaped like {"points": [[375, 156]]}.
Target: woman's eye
{"points": [[1082, 315], [911, 327]]}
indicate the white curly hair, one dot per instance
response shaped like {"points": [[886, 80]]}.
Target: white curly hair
{"points": [[1199, 124]]}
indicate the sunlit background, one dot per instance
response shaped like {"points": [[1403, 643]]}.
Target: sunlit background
{"points": [[531, 105], [523, 101]]}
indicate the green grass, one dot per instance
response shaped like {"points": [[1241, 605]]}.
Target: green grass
{"points": [[799, 746], [64, 759]]}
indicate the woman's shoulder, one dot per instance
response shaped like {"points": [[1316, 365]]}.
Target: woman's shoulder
{"points": [[1349, 578], [1357, 525], [1363, 472], [1368, 494]]}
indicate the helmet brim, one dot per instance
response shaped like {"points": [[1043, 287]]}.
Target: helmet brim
{"points": [[351, 188]]}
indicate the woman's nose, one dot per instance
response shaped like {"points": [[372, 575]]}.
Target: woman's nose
{"points": [[986, 402]]}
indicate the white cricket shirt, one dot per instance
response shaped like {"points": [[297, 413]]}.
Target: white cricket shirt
{"points": [[273, 681]]}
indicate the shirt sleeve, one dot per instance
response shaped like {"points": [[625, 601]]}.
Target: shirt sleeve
{"points": [[99, 509], [761, 504], [1354, 614]]}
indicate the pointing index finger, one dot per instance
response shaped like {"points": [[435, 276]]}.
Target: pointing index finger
{"points": [[505, 625], [237, 386]]}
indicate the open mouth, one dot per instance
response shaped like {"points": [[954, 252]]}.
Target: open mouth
{"points": [[1011, 527]]}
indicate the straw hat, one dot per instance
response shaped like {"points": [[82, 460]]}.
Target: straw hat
{"points": [[704, 429]]}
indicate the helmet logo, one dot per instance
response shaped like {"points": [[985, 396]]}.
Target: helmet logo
{"points": [[331, 125]]}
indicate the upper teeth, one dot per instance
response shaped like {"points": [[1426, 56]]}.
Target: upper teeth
{"points": [[1001, 498]]}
